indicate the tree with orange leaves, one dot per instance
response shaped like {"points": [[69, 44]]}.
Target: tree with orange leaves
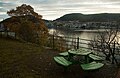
{"points": [[23, 10], [27, 24]]}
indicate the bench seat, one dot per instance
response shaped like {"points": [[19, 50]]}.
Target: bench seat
{"points": [[62, 61], [92, 66]]}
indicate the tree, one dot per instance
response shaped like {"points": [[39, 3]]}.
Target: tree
{"points": [[107, 43], [23, 10], [27, 24], [26, 32]]}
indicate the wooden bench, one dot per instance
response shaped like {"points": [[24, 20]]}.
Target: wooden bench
{"points": [[92, 66], [80, 52], [62, 61], [95, 57], [64, 54]]}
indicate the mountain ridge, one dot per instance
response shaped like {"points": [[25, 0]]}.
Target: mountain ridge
{"points": [[101, 17]]}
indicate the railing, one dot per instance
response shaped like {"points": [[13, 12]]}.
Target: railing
{"points": [[68, 42], [65, 43], [62, 43], [7, 34]]}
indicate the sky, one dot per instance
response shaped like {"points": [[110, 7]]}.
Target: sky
{"points": [[53, 9]]}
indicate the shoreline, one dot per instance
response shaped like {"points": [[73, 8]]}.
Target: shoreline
{"points": [[91, 30]]}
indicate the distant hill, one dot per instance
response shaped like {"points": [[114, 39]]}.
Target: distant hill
{"points": [[18, 18], [103, 17]]}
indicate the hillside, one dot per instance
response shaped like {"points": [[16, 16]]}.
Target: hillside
{"points": [[103, 17], [17, 19], [23, 60], [14, 58]]}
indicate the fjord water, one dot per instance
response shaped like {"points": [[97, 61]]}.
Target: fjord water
{"points": [[82, 34]]}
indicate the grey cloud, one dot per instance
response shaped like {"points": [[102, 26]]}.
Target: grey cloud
{"points": [[2, 9], [52, 9], [39, 1], [61, 7], [4, 16], [7, 5]]}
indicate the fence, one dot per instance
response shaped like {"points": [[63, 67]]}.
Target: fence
{"points": [[62, 43], [7, 34], [65, 43]]}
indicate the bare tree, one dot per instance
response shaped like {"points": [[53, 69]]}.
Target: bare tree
{"points": [[106, 42]]}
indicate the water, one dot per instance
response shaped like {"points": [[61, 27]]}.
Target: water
{"points": [[86, 34], [82, 34]]}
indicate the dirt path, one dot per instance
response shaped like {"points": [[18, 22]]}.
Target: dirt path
{"points": [[118, 74]]}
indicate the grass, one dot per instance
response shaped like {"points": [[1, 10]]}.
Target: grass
{"points": [[15, 58], [25, 60]]}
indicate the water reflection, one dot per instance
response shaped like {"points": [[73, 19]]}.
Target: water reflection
{"points": [[82, 34], [56, 32], [89, 35]]}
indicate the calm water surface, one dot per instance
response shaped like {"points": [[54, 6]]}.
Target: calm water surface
{"points": [[82, 34]]}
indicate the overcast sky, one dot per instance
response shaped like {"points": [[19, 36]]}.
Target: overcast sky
{"points": [[52, 9]]}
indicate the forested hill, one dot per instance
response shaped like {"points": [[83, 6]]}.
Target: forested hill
{"points": [[103, 17]]}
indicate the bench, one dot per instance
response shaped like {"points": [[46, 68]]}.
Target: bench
{"points": [[64, 54], [95, 57], [92, 66], [62, 61]]}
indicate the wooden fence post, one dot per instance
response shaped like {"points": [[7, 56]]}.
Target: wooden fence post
{"points": [[1, 34], [78, 43], [15, 36], [53, 41]]}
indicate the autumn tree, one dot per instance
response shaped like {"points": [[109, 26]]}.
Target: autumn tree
{"points": [[27, 24], [26, 32], [23, 10]]}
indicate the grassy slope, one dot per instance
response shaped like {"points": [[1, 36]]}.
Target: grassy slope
{"points": [[22, 60], [15, 58]]}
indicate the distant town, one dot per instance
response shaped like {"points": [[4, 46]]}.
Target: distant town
{"points": [[81, 25], [77, 21]]}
